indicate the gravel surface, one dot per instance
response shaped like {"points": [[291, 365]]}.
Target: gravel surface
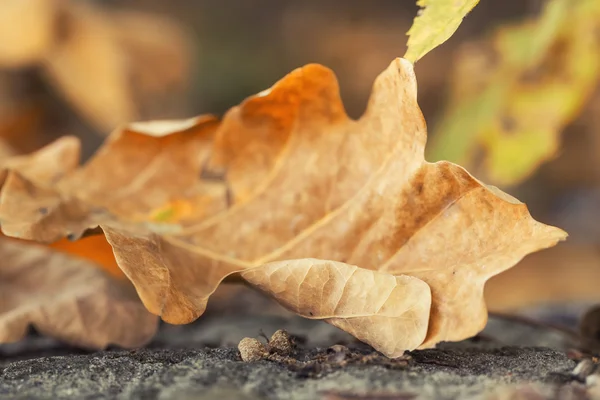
{"points": [[509, 360]]}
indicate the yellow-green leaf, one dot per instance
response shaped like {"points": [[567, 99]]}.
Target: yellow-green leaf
{"points": [[512, 95], [436, 22]]}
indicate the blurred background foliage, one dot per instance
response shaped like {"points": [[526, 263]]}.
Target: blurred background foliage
{"points": [[512, 96]]}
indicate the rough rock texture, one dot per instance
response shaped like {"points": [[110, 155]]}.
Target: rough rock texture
{"points": [[179, 365], [219, 373]]}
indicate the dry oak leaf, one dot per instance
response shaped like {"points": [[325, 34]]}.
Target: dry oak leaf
{"points": [[389, 312], [67, 298], [290, 176], [45, 197], [64, 296]]}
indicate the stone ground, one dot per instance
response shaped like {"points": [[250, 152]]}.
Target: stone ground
{"points": [[510, 360]]}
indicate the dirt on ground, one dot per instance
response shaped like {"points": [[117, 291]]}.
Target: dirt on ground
{"points": [[514, 358]]}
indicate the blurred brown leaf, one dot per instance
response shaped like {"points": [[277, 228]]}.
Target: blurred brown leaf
{"points": [[112, 66], [27, 29], [87, 65], [287, 175], [116, 67]]}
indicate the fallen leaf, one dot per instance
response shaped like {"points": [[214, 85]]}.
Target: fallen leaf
{"points": [[290, 176], [352, 299], [61, 295], [47, 165], [135, 154], [68, 299], [508, 106], [436, 22]]}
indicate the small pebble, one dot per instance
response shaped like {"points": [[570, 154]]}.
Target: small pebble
{"points": [[281, 343], [337, 348], [593, 380], [337, 353], [252, 349], [583, 369]]}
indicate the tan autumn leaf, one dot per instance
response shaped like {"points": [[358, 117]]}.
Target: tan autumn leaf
{"points": [[389, 312], [68, 202], [68, 299], [48, 165], [63, 296], [290, 176]]}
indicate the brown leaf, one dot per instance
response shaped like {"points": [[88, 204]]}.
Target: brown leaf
{"points": [[67, 298], [87, 67], [116, 67], [67, 201], [158, 57], [17, 176], [27, 29], [299, 179], [351, 298]]}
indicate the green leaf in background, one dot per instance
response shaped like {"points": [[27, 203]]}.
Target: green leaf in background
{"points": [[436, 22], [513, 94]]}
